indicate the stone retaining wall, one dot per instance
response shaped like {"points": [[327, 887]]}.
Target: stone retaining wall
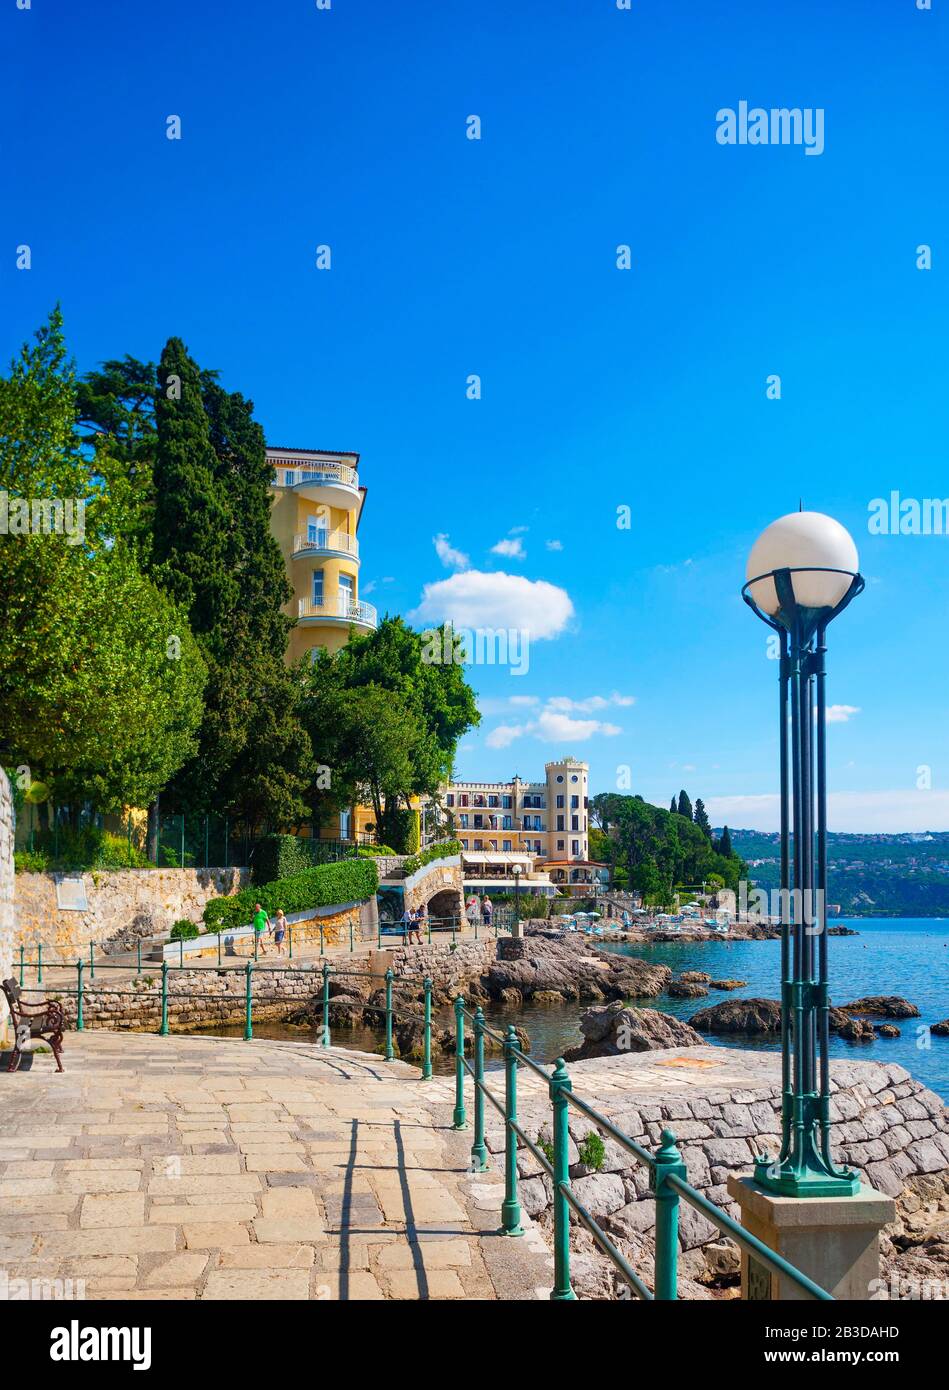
{"points": [[886, 1124], [6, 893], [123, 904], [450, 970]]}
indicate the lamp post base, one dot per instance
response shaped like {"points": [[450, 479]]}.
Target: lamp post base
{"points": [[785, 1181], [836, 1243]]}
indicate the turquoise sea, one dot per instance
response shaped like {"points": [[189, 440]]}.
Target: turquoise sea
{"points": [[906, 956]]}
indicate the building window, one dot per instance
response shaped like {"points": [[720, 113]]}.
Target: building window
{"points": [[318, 588], [450, 799], [576, 846], [574, 803], [506, 803], [559, 776], [574, 778], [479, 844], [492, 801], [507, 823], [464, 844], [463, 821], [479, 822], [463, 799], [560, 801], [506, 846], [574, 822], [560, 824], [560, 844]]}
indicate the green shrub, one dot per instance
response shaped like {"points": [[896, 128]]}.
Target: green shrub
{"points": [[323, 885], [27, 861], [402, 828], [439, 851], [183, 930], [592, 1152], [280, 856], [371, 851]]}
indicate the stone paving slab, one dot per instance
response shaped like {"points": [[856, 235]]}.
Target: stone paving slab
{"points": [[206, 1168]]}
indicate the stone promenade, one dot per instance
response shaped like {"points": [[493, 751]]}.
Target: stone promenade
{"points": [[204, 1168]]}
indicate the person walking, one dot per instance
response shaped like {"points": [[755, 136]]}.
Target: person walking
{"points": [[406, 925], [415, 915], [261, 922], [279, 930], [421, 921], [487, 911]]}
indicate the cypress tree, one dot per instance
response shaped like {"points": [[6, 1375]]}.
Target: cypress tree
{"points": [[674, 807], [685, 806], [701, 819], [724, 845]]}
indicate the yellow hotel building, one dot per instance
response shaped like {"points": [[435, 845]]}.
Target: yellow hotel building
{"points": [[317, 504]]}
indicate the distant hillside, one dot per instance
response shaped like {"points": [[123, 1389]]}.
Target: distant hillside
{"points": [[869, 875]]}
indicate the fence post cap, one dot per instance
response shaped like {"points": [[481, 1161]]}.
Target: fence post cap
{"points": [[560, 1076]]}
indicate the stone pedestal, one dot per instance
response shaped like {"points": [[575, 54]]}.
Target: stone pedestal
{"points": [[833, 1240]]}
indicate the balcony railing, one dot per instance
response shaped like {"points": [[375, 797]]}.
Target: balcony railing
{"points": [[341, 607], [319, 540], [332, 473]]}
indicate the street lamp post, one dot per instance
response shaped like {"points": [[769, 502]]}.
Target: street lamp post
{"points": [[802, 572], [517, 901]]}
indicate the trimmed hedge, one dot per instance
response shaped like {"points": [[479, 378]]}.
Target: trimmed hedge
{"points": [[282, 856], [440, 851], [324, 885]]}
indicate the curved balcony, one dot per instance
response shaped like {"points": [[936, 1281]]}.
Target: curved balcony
{"points": [[334, 483], [342, 611], [326, 543]]}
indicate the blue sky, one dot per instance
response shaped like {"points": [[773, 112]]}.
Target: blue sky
{"points": [[601, 388]]}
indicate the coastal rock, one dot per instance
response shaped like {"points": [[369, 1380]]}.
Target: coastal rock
{"points": [[941, 1030], [687, 989], [561, 964], [882, 1006], [740, 1016], [695, 977], [888, 1030], [856, 1029], [727, 984], [615, 1029]]}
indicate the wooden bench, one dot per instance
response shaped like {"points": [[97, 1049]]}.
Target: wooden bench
{"points": [[45, 1020]]}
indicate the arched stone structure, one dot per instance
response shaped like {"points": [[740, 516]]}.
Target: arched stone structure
{"points": [[441, 884]]}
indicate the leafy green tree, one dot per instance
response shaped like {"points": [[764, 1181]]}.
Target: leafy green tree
{"points": [[213, 550], [100, 678], [684, 807], [701, 819], [431, 702]]}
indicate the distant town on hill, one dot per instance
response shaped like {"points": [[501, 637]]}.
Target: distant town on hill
{"points": [[871, 875]]}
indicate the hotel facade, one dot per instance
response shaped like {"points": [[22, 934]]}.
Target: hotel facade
{"points": [[317, 505], [544, 825]]}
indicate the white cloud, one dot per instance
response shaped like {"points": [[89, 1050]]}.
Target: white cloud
{"points": [[554, 727], [589, 706], [518, 530], [513, 549], [850, 812], [524, 700], [841, 714], [477, 600], [504, 735], [451, 558], [555, 545], [366, 589]]}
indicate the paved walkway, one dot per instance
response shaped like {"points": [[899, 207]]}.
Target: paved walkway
{"points": [[210, 1168]]}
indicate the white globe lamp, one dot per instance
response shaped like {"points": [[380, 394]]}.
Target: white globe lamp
{"points": [[819, 552]]}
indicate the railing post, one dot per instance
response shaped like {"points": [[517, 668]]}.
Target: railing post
{"points": [[427, 1037], [350, 933], [458, 1119], [138, 956], [668, 1164], [479, 1152], [453, 931], [163, 1030], [290, 942], [219, 948], [389, 1053], [322, 950], [510, 1207], [181, 954], [560, 1084], [248, 1001], [92, 962], [256, 941], [80, 1021], [326, 1002], [21, 964], [39, 962]]}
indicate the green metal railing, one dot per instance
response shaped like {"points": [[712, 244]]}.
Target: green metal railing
{"points": [[667, 1171], [163, 993]]}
